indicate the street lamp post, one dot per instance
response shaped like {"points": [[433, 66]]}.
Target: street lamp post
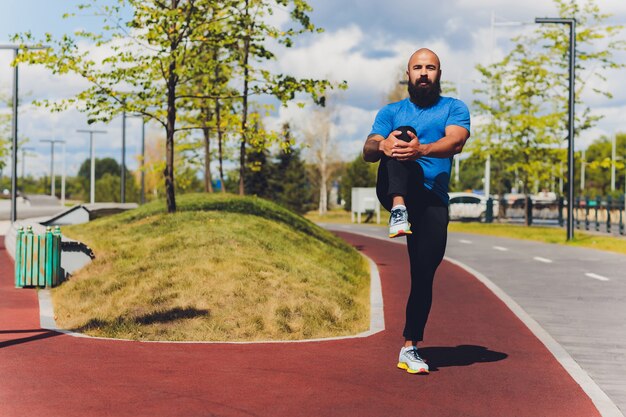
{"points": [[52, 143], [24, 149], [570, 137], [15, 48], [92, 170]]}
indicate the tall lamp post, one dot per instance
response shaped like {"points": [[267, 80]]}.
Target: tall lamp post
{"points": [[15, 48], [570, 137], [52, 143], [92, 170], [24, 150]]}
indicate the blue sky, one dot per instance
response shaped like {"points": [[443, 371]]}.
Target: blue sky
{"points": [[365, 42]]}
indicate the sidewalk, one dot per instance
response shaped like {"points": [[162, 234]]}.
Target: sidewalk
{"points": [[484, 362]]}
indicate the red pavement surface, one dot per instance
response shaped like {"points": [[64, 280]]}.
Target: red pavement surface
{"points": [[484, 362]]}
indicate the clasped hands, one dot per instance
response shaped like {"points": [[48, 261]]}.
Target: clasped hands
{"points": [[399, 149]]}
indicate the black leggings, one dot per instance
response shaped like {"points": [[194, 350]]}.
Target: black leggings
{"points": [[428, 216]]}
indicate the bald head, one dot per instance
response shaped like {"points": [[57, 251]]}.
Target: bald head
{"points": [[424, 54]]}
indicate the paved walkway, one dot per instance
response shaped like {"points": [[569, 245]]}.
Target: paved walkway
{"points": [[485, 363], [577, 295]]}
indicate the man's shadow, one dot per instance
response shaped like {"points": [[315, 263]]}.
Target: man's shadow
{"points": [[462, 355]]}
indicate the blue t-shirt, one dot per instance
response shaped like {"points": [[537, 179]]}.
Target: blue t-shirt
{"points": [[430, 124]]}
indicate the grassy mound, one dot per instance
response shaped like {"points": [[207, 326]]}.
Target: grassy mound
{"points": [[221, 268]]}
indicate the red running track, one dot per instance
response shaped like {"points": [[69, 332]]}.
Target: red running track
{"points": [[484, 362]]}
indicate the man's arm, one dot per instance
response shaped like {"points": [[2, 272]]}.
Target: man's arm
{"points": [[449, 145], [377, 146]]}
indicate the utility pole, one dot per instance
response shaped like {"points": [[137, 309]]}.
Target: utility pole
{"points": [[63, 178], [570, 137], [92, 182], [52, 143], [15, 48], [24, 149]]}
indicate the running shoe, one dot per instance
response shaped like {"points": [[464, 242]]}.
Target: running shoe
{"points": [[399, 222], [411, 361]]}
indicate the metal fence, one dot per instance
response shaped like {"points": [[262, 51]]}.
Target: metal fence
{"points": [[600, 214]]}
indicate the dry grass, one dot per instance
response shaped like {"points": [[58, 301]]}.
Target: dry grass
{"points": [[213, 275]]}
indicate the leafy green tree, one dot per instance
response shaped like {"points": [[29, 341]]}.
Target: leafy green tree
{"points": [[290, 182], [108, 189], [598, 167], [258, 174], [252, 31], [358, 174], [101, 166], [525, 95], [151, 59]]}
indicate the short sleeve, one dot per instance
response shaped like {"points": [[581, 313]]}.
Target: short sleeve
{"points": [[459, 115], [383, 124]]}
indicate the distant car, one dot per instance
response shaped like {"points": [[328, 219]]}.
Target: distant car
{"points": [[470, 206]]}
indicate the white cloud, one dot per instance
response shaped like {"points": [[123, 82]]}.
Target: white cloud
{"points": [[365, 44]]}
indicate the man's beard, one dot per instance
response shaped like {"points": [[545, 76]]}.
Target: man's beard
{"points": [[425, 96]]}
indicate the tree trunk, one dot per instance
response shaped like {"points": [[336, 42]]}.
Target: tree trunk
{"points": [[218, 122], [170, 191], [208, 183], [244, 117], [323, 208]]}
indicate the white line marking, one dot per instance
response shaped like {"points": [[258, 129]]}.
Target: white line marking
{"points": [[596, 276], [465, 241], [544, 260], [500, 248]]}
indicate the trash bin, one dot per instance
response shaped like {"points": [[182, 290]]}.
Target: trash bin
{"points": [[38, 258]]}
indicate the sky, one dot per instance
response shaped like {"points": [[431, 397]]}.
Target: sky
{"points": [[365, 43]]}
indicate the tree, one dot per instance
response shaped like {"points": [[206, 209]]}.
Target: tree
{"points": [[148, 58], [321, 151], [253, 30], [108, 189], [598, 166], [525, 94], [358, 174], [101, 166], [290, 181], [148, 64]]}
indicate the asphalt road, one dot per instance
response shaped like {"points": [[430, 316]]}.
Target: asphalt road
{"points": [[577, 295]]}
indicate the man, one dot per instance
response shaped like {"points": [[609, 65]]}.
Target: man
{"points": [[413, 177]]}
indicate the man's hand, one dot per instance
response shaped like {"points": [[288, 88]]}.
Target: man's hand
{"points": [[388, 145], [406, 151]]}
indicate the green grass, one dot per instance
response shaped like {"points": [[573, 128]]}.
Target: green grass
{"points": [[543, 234], [221, 268], [535, 233]]}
